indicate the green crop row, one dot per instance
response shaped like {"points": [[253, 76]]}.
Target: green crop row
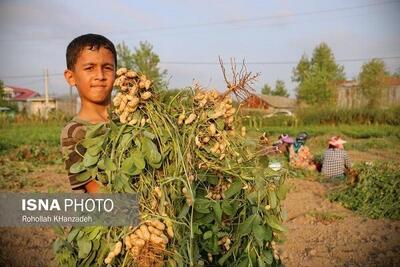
{"points": [[376, 195]]}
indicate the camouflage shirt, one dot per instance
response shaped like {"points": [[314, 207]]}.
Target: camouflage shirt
{"points": [[72, 150]]}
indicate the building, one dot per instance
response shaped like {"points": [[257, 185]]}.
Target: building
{"points": [[349, 95], [19, 96], [29, 101], [269, 104], [68, 104]]}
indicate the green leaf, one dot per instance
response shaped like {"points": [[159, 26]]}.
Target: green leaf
{"points": [[71, 236], [207, 235], [261, 262], [212, 179], [202, 205], [262, 232], [184, 211], [267, 256], [109, 165], [134, 164], [150, 151], [138, 159], [272, 199], [88, 261], [84, 247], [253, 257], [252, 197], [126, 138], [89, 160], [94, 129], [84, 176], [206, 219], [95, 150], [246, 226], [149, 135], [217, 211], [243, 263], [77, 167], [282, 191], [222, 260], [228, 208], [94, 233], [57, 245], [274, 223], [233, 189], [89, 142], [101, 164]]}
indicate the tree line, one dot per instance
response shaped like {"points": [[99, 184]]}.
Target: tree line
{"points": [[319, 76]]}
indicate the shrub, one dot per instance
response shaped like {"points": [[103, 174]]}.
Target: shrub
{"points": [[376, 195]]}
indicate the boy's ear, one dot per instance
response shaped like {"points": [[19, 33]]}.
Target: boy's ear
{"points": [[69, 77]]}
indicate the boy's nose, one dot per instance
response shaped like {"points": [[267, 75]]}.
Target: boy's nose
{"points": [[100, 74]]}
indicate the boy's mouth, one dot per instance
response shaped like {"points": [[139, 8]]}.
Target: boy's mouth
{"points": [[98, 87]]}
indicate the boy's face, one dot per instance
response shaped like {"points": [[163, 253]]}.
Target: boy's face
{"points": [[93, 75]]}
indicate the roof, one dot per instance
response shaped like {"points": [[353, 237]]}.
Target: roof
{"points": [[278, 101], [392, 81], [22, 94]]}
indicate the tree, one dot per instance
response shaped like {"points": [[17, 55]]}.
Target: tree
{"points": [[397, 73], [323, 60], [266, 90], [372, 81], [1, 90], [300, 73], [3, 102], [280, 89], [124, 56], [142, 60], [317, 76]]}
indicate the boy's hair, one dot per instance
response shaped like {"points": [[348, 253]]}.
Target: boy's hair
{"points": [[93, 41]]}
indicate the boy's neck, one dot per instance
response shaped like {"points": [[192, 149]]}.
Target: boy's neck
{"points": [[93, 113]]}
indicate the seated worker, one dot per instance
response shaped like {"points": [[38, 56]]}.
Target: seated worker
{"points": [[335, 160], [91, 64], [283, 144], [300, 155]]}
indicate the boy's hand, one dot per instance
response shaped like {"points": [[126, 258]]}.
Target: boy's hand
{"points": [[96, 187]]}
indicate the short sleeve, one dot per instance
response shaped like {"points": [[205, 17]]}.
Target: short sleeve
{"points": [[72, 151]]}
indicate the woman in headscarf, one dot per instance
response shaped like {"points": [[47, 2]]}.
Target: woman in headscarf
{"points": [[284, 143], [300, 155], [335, 161]]}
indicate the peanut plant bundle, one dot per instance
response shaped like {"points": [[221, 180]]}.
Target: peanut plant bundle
{"points": [[205, 198]]}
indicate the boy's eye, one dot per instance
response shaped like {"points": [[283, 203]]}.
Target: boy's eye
{"points": [[88, 68]]}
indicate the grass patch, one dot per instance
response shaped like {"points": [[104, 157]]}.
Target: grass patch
{"points": [[325, 216], [353, 131], [39, 133], [376, 195], [13, 174]]}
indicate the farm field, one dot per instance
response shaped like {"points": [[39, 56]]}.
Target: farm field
{"points": [[321, 233]]}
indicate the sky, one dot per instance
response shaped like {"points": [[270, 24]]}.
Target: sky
{"points": [[189, 36]]}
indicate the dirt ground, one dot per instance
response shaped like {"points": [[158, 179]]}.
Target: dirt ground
{"points": [[320, 233]]}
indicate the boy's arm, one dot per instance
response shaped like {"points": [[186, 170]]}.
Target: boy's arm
{"points": [[70, 136]]}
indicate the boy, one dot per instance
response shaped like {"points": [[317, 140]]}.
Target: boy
{"points": [[91, 64]]}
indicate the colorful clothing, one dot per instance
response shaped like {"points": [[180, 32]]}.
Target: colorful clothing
{"points": [[72, 150], [334, 162]]}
